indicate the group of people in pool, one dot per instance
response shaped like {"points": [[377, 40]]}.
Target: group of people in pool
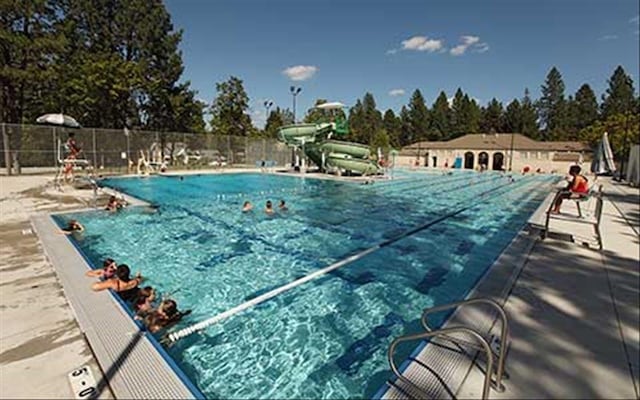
{"points": [[156, 315], [268, 207]]}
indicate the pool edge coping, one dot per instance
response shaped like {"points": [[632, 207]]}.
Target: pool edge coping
{"points": [[118, 307]]}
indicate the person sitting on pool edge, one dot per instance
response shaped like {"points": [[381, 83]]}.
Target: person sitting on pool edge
{"points": [[164, 316], [268, 209], [577, 188], [107, 271], [126, 287], [114, 204], [282, 206], [247, 206], [72, 226]]}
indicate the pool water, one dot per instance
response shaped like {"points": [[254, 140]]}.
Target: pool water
{"points": [[327, 338]]}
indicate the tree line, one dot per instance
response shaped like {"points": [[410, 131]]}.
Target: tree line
{"points": [[109, 63], [553, 116], [116, 63]]}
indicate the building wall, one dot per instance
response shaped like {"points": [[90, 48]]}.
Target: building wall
{"points": [[533, 159]]}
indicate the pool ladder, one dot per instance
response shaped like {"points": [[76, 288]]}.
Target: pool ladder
{"points": [[479, 342]]}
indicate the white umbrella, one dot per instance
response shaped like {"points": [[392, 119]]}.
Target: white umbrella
{"points": [[331, 106], [59, 120], [603, 160]]}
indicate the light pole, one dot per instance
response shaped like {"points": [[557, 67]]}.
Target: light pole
{"points": [[511, 152], [295, 91], [267, 105]]}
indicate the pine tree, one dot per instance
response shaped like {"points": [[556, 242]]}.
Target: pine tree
{"points": [[393, 128], [586, 107], [418, 117], [529, 117], [474, 115], [229, 109], [29, 46], [513, 117], [441, 117], [406, 128], [492, 117], [552, 106], [459, 117], [275, 121], [619, 97]]}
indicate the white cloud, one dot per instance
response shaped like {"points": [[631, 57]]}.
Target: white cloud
{"points": [[391, 52], [422, 43], [458, 50], [396, 92], [469, 42], [481, 47], [635, 20], [300, 72], [608, 37]]}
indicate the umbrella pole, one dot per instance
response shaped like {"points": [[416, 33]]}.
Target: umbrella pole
{"points": [[7, 150]]}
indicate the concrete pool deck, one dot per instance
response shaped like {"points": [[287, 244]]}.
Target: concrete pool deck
{"points": [[570, 339]]}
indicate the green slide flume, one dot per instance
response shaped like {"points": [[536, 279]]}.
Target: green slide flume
{"points": [[330, 155]]}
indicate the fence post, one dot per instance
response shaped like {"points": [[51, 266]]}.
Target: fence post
{"points": [[7, 150], [95, 159], [56, 148]]}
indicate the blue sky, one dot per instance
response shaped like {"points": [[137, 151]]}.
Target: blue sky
{"points": [[339, 50]]}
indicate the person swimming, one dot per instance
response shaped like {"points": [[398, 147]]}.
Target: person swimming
{"points": [[247, 206], [72, 226], [107, 271], [283, 206], [126, 287], [269, 208], [164, 316]]}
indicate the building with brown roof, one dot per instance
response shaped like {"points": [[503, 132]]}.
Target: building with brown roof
{"points": [[496, 151]]}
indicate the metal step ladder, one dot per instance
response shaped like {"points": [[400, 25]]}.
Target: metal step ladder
{"points": [[471, 341]]}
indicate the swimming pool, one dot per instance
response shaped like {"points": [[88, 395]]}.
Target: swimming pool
{"points": [[327, 338]]}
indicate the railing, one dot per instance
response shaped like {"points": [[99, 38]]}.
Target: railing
{"points": [[446, 333], [482, 343], [36, 146], [504, 334]]}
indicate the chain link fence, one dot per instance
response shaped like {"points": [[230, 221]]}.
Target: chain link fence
{"points": [[42, 147]]}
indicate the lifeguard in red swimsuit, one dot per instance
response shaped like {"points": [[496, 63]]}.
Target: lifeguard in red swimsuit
{"points": [[578, 188]]}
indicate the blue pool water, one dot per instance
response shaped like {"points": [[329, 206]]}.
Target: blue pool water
{"points": [[327, 338]]}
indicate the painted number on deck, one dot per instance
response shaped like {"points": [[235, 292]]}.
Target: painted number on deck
{"points": [[83, 384]]}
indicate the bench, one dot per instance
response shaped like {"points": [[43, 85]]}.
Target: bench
{"points": [[594, 196]]}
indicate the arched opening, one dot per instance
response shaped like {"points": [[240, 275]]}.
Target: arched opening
{"points": [[468, 160], [498, 161], [483, 160]]}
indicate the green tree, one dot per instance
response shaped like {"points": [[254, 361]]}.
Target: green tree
{"points": [[365, 121], [623, 130], [392, 126], [492, 117], [474, 115], [528, 117], [586, 107], [229, 109], [29, 44], [276, 119], [317, 115], [619, 97], [552, 107], [441, 117], [513, 117], [418, 118], [406, 128]]}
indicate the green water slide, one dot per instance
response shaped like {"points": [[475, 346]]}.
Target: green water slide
{"points": [[329, 154]]}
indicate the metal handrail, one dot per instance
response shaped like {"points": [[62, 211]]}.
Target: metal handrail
{"points": [[443, 332], [503, 336]]}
